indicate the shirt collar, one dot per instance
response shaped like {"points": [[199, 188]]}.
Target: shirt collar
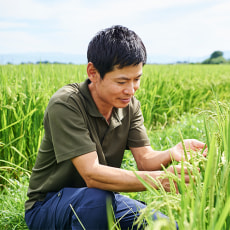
{"points": [[91, 108]]}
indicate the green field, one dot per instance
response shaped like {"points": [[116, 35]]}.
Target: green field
{"points": [[178, 102]]}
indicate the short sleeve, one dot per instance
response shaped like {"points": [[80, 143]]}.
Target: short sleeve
{"points": [[137, 136], [68, 131]]}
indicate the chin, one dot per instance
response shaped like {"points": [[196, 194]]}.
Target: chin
{"points": [[121, 106]]}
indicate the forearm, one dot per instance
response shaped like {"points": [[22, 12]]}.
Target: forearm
{"points": [[119, 180], [149, 160], [156, 160], [110, 178]]}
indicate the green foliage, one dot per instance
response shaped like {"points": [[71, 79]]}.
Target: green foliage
{"points": [[215, 58], [174, 98], [167, 92], [24, 94], [205, 203], [218, 60], [216, 54], [12, 199]]}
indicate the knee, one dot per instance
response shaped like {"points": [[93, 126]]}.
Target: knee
{"points": [[98, 196], [93, 207]]}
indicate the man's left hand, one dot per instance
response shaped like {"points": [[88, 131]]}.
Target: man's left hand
{"points": [[177, 152]]}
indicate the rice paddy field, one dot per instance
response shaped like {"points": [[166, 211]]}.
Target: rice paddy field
{"points": [[178, 102]]}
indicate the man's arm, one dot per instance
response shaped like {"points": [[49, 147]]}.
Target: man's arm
{"points": [[119, 180], [110, 178], [115, 179], [148, 159]]}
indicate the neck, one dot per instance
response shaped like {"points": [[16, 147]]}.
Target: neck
{"points": [[108, 117], [102, 107]]}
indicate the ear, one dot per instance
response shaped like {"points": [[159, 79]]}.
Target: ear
{"points": [[92, 72]]}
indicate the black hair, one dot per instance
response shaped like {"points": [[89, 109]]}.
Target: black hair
{"points": [[115, 46]]}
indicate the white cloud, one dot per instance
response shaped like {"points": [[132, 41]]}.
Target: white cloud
{"points": [[67, 26], [12, 25], [196, 33], [22, 42], [23, 9]]}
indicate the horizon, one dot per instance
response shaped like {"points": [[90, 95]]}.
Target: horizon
{"points": [[182, 29], [64, 58]]}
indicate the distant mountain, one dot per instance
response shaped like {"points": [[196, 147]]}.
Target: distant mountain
{"points": [[82, 59], [160, 59], [42, 57]]}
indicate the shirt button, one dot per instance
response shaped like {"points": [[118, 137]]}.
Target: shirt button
{"points": [[59, 194]]}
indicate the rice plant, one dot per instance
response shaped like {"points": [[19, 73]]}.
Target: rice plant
{"points": [[189, 99], [24, 93], [12, 198], [204, 204]]}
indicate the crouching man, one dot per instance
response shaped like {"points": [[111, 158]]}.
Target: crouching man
{"points": [[88, 126]]}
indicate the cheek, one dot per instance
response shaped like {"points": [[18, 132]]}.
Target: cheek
{"points": [[115, 89], [136, 87]]}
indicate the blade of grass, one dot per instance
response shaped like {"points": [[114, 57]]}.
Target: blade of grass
{"points": [[77, 217], [223, 216], [207, 180], [16, 122]]}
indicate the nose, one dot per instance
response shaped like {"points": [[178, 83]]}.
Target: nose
{"points": [[130, 89]]}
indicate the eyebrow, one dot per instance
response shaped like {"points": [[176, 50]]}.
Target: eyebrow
{"points": [[126, 78]]}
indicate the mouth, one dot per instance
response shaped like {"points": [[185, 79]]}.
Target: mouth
{"points": [[125, 100]]}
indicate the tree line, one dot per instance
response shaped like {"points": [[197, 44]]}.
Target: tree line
{"points": [[216, 58]]}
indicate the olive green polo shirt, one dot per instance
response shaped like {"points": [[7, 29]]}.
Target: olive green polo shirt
{"points": [[73, 127]]}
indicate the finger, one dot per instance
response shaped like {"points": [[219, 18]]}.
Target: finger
{"points": [[176, 187], [195, 144], [187, 171], [167, 186], [178, 169], [187, 178], [200, 146], [205, 152]]}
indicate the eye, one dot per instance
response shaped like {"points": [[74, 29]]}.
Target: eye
{"points": [[121, 82]]}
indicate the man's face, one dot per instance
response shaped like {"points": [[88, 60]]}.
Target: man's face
{"points": [[117, 87]]}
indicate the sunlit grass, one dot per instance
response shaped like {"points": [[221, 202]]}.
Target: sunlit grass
{"points": [[205, 203], [12, 199], [178, 102]]}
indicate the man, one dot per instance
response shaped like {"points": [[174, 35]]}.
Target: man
{"points": [[87, 128]]}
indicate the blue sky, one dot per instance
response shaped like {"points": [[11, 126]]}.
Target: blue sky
{"points": [[182, 28]]}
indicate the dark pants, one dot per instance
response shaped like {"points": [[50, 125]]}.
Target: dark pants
{"points": [[90, 209]]}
